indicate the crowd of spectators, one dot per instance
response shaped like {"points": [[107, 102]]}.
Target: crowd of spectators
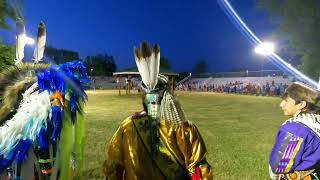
{"points": [[237, 87], [268, 89]]}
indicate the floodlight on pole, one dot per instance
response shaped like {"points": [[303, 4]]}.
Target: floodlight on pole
{"points": [[265, 48], [235, 17]]}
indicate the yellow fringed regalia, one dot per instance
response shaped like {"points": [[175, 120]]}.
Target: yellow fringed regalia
{"points": [[129, 156]]}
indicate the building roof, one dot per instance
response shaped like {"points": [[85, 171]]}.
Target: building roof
{"points": [[134, 71]]}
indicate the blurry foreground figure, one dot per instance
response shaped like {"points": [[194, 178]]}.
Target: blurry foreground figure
{"points": [[41, 116], [296, 152], [157, 143]]}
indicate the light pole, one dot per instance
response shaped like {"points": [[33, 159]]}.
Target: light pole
{"points": [[265, 49]]}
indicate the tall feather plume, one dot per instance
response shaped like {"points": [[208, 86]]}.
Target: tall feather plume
{"points": [[20, 41], [146, 54], [142, 63], [137, 58], [147, 64], [41, 43], [154, 65]]}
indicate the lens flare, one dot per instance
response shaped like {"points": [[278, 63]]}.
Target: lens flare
{"points": [[275, 59], [266, 48]]}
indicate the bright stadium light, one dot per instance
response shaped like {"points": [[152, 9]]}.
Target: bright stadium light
{"points": [[29, 40], [265, 48], [281, 63]]}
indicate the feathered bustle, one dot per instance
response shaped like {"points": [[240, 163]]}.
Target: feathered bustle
{"points": [[13, 82], [31, 122], [35, 113]]}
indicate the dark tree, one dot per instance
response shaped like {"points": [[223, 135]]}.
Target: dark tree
{"points": [[200, 66], [299, 22], [6, 52], [6, 56], [6, 11], [59, 56], [164, 63], [100, 65]]}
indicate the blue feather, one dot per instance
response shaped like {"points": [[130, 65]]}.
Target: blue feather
{"points": [[68, 78], [19, 152], [23, 150], [56, 120], [43, 139]]}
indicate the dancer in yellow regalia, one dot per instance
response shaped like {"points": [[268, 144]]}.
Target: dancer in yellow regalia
{"points": [[157, 143]]}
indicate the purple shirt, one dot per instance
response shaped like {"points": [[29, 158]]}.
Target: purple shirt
{"points": [[296, 148]]}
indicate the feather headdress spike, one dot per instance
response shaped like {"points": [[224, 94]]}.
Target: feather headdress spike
{"points": [[148, 62], [154, 65], [40, 44], [20, 41]]}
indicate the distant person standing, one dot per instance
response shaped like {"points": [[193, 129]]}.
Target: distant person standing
{"points": [[296, 152], [272, 91], [267, 89], [282, 89]]}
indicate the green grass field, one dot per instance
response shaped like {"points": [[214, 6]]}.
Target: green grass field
{"points": [[239, 130]]}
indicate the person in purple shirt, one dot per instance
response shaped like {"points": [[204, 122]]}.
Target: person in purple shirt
{"points": [[296, 151]]}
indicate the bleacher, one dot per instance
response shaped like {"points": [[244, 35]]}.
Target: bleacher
{"points": [[243, 80]]}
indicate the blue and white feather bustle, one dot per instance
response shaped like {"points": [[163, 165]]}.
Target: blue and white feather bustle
{"points": [[35, 114], [34, 110]]}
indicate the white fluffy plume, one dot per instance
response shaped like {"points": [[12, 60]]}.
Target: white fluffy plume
{"points": [[33, 111], [40, 44]]}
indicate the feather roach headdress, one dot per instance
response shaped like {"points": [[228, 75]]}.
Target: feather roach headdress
{"points": [[148, 63]]}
